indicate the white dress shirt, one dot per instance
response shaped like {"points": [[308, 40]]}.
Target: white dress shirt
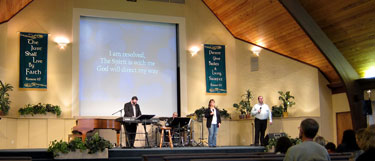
{"points": [[265, 112], [214, 118], [134, 111]]}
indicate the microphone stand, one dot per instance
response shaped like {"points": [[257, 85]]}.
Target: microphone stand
{"points": [[121, 124], [118, 112]]}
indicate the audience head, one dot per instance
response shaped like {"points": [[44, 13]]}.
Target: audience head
{"points": [[369, 136], [349, 139], [211, 103], [320, 140], [331, 147], [283, 144], [360, 138], [308, 129]]}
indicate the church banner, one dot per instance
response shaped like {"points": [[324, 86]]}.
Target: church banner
{"points": [[214, 56], [33, 60]]}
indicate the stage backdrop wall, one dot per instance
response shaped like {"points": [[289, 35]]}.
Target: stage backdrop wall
{"points": [[202, 27]]}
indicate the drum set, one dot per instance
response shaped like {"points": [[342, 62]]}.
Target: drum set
{"points": [[182, 132]]}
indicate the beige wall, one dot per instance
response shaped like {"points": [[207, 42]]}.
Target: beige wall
{"points": [[204, 28], [276, 72], [340, 103], [33, 133]]}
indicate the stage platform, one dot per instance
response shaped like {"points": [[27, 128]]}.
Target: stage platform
{"points": [[135, 154]]}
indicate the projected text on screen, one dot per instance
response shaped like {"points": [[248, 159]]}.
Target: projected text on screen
{"points": [[119, 59]]}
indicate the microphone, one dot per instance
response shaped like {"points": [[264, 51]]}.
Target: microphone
{"points": [[260, 109]]}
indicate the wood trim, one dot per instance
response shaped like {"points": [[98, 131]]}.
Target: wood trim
{"points": [[338, 139], [5, 21], [341, 65]]}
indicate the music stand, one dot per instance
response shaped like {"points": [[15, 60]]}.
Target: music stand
{"points": [[144, 118], [179, 122]]}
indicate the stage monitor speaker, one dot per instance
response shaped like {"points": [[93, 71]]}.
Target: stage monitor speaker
{"points": [[276, 135]]}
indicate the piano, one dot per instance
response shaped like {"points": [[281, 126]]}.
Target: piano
{"points": [[86, 125]]}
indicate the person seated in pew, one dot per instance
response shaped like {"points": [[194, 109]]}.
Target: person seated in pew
{"points": [[320, 140], [331, 147], [308, 150], [348, 143], [368, 145], [282, 145]]}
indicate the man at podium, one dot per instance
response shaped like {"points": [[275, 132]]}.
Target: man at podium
{"points": [[131, 110]]}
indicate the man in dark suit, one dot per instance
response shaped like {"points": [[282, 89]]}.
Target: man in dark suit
{"points": [[131, 110]]}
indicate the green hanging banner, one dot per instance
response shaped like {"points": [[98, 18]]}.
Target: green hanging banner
{"points": [[214, 56], [33, 60]]}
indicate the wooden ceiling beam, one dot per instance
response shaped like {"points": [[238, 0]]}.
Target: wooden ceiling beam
{"points": [[9, 8], [342, 66]]}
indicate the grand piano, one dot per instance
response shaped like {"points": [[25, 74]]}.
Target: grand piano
{"points": [[89, 124], [86, 125]]}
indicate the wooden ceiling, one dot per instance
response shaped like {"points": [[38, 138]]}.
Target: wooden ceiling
{"points": [[350, 24], [268, 24], [9, 8]]}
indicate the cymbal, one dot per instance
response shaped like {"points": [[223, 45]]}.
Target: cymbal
{"points": [[164, 118]]}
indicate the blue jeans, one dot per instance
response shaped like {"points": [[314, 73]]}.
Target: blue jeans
{"points": [[212, 132]]}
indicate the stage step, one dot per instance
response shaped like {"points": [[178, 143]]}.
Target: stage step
{"points": [[136, 154]]}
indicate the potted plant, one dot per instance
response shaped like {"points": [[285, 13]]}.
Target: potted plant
{"points": [[287, 101], [94, 147], [4, 97], [224, 113], [277, 111], [270, 147], [200, 113], [244, 106], [40, 109]]}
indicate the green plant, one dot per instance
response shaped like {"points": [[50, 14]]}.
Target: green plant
{"points": [[97, 143], [295, 141], [224, 113], [4, 97], [277, 111], [77, 143], [57, 147], [286, 99], [272, 142], [200, 112], [244, 106], [40, 109], [92, 144]]}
